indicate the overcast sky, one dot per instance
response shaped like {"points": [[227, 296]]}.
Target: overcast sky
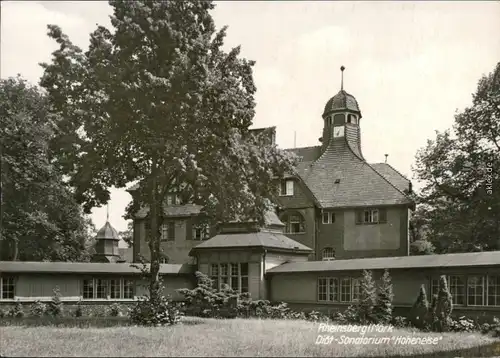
{"points": [[410, 65]]}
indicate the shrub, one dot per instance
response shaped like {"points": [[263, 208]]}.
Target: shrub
{"points": [[315, 316], [2, 313], [462, 324], [419, 314], [16, 311], [367, 298], [444, 305], [432, 318], [55, 306], [400, 322], [79, 309], [38, 308], [350, 315], [114, 310], [382, 312], [161, 313], [157, 311], [206, 301], [492, 328]]}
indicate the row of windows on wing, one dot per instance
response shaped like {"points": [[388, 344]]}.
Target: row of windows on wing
{"points": [[92, 288], [471, 290], [465, 290], [199, 232], [295, 223]]}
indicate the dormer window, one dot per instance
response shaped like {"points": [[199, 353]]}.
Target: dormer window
{"points": [[286, 188]]}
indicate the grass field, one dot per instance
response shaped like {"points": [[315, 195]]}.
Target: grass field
{"points": [[238, 337]]}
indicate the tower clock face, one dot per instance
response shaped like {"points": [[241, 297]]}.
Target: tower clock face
{"points": [[338, 131]]}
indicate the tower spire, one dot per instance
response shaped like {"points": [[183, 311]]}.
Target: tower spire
{"points": [[342, 68], [107, 212]]}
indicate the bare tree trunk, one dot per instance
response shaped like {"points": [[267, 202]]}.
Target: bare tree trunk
{"points": [[154, 242]]}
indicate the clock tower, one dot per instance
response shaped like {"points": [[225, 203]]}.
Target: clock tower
{"points": [[341, 119]]}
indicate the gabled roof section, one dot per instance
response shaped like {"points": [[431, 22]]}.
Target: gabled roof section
{"points": [[263, 239], [358, 183], [491, 258], [395, 177]]}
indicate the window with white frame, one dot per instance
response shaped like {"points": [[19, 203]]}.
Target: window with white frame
{"points": [[328, 218], [456, 286], [201, 232], [96, 288], [286, 187], [328, 254], [294, 223], [168, 231], [7, 287], [371, 216], [493, 291], [333, 289], [235, 275], [475, 290]]}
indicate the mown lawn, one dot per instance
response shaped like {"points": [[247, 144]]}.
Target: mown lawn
{"points": [[238, 337]]}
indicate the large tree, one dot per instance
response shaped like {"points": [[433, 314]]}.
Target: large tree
{"points": [[41, 219], [158, 101], [461, 172]]}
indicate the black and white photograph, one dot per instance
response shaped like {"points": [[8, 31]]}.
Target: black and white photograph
{"points": [[195, 178]]}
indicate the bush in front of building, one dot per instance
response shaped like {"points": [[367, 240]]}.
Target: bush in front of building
{"points": [[382, 312], [157, 311], [16, 311], [367, 298], [420, 312], [55, 306], [491, 328], [38, 309], [206, 301], [115, 310], [444, 306], [462, 324]]}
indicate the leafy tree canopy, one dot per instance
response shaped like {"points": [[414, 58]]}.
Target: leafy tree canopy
{"points": [[40, 218], [461, 171], [158, 101]]}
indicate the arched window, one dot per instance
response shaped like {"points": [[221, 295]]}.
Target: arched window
{"points": [[328, 254], [294, 223]]}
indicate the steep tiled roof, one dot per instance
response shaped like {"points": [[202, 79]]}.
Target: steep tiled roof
{"points": [[426, 261], [360, 184], [263, 239], [340, 101], [80, 267], [396, 178], [173, 211]]}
